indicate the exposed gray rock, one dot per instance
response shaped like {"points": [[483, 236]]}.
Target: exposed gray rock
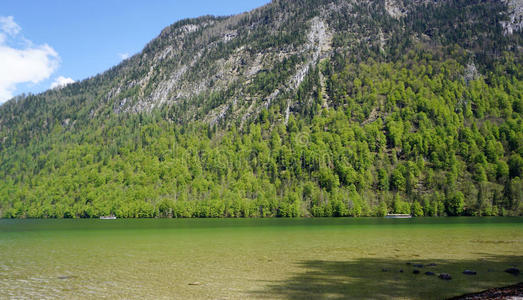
{"points": [[471, 73], [515, 17], [394, 8]]}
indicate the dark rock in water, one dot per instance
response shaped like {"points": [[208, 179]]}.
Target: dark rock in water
{"points": [[415, 271], [430, 273], [431, 265], [401, 271], [409, 263], [417, 265], [469, 272], [513, 271], [445, 276]]}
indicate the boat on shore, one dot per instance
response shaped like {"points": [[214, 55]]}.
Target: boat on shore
{"points": [[398, 216], [107, 218]]}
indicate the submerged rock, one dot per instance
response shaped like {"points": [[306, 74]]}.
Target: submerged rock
{"points": [[445, 276], [513, 271], [415, 271], [430, 273], [431, 265], [417, 265], [507, 292], [469, 272]]}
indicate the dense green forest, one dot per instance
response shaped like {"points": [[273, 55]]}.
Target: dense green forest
{"points": [[431, 129], [404, 137]]}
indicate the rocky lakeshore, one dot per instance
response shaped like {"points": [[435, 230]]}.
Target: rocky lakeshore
{"points": [[508, 292]]}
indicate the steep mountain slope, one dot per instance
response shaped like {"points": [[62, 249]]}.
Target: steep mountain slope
{"points": [[299, 107]]}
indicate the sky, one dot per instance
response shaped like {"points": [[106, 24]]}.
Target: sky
{"points": [[48, 44]]}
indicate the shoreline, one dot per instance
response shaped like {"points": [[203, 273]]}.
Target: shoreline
{"points": [[515, 290]]}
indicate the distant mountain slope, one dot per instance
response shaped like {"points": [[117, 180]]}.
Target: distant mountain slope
{"points": [[396, 94]]}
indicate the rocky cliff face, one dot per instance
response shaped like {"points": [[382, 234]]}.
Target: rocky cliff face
{"points": [[213, 55], [515, 17]]}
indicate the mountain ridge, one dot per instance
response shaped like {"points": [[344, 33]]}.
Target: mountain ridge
{"points": [[173, 87]]}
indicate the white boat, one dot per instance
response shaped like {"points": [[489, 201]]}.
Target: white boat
{"points": [[398, 216], [107, 218]]}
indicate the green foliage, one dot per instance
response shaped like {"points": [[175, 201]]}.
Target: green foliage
{"points": [[381, 210], [417, 210], [455, 203], [400, 206]]}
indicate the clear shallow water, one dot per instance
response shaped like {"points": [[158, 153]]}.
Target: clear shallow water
{"points": [[255, 258]]}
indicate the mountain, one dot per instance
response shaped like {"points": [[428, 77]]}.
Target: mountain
{"points": [[297, 108]]}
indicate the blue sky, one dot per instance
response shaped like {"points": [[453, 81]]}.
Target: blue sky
{"points": [[57, 41]]}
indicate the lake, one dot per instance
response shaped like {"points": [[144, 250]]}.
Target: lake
{"points": [[256, 258]]}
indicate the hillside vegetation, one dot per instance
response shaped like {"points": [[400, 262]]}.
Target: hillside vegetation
{"points": [[298, 108]]}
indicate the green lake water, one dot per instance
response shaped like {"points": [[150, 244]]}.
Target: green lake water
{"points": [[256, 258]]}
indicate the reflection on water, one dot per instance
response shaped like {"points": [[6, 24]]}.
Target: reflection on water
{"points": [[251, 258]]}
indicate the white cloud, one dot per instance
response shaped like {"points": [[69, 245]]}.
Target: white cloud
{"points": [[124, 56], [8, 25], [31, 63], [61, 82]]}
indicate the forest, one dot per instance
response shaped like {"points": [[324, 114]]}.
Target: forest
{"points": [[407, 137]]}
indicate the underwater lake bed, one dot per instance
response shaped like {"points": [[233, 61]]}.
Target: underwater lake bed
{"points": [[257, 258]]}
